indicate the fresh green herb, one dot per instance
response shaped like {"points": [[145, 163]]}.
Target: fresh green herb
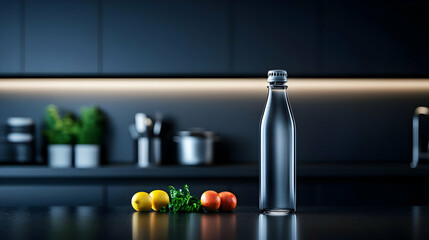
{"points": [[58, 130], [90, 127], [182, 201]]}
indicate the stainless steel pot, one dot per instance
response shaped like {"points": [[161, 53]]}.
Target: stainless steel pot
{"points": [[195, 147]]}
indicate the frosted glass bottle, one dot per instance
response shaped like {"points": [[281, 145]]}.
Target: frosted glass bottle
{"points": [[278, 150]]}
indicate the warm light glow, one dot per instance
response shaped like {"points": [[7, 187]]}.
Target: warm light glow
{"points": [[361, 85], [421, 111], [129, 85], [212, 86]]}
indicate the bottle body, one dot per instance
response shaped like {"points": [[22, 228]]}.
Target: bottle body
{"points": [[278, 154]]}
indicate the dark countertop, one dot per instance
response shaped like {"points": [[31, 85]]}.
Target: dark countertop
{"points": [[245, 223], [225, 171]]}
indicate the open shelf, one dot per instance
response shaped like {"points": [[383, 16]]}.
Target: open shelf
{"points": [[128, 171]]}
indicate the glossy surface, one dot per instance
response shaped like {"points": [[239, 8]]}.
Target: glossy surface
{"points": [[244, 223]]}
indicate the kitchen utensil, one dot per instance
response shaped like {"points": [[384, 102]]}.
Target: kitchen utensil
{"points": [[147, 135], [157, 125], [142, 140], [140, 121], [156, 147], [142, 131], [195, 147]]}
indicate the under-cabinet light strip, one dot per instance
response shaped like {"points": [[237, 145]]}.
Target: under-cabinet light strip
{"points": [[211, 85]]}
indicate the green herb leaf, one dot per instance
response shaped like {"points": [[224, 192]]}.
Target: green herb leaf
{"points": [[182, 201]]}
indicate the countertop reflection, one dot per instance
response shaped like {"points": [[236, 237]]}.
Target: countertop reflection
{"points": [[245, 223]]}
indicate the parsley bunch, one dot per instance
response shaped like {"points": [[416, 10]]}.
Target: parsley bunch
{"points": [[182, 201]]}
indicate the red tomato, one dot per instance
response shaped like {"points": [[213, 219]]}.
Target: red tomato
{"points": [[210, 201], [228, 201]]}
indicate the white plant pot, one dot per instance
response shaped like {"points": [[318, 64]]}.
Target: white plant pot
{"points": [[60, 155], [87, 155]]}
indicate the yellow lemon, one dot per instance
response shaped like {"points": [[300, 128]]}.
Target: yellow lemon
{"points": [[160, 199], [141, 202]]}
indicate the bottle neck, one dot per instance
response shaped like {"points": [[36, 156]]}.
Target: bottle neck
{"points": [[277, 86], [277, 92]]}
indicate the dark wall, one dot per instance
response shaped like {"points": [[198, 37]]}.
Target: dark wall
{"points": [[214, 37], [362, 126]]}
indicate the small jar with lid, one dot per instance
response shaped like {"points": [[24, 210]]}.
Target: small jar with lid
{"points": [[20, 136]]}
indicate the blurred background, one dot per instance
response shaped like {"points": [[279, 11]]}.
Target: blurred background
{"points": [[85, 84]]}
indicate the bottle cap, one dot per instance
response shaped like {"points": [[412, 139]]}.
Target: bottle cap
{"points": [[277, 76]]}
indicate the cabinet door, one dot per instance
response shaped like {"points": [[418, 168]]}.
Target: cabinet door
{"points": [[276, 34], [44, 195], [375, 37], [10, 36], [166, 37], [61, 36]]}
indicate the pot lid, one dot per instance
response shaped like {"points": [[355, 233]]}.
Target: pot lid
{"points": [[196, 132]]}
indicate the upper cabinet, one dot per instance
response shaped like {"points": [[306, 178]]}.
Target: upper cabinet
{"points": [[166, 37], [378, 38], [276, 34], [10, 36], [61, 36], [309, 38]]}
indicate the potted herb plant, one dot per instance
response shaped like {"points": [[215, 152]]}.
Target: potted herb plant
{"points": [[89, 132], [59, 135]]}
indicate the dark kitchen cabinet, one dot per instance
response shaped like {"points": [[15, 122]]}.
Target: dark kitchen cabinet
{"points": [[61, 36], [310, 38], [166, 37], [51, 195], [10, 36], [375, 38], [276, 34]]}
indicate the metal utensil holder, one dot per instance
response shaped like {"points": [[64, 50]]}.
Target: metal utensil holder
{"points": [[148, 148]]}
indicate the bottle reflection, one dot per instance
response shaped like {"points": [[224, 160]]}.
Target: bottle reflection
{"points": [[277, 227], [150, 225], [218, 226]]}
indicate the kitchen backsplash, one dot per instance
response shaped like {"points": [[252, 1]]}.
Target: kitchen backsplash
{"points": [[359, 124]]}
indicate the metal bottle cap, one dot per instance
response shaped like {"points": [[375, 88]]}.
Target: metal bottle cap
{"points": [[277, 76]]}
